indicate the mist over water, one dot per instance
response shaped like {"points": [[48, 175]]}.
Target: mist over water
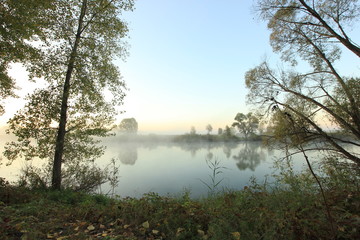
{"points": [[166, 167], [158, 164]]}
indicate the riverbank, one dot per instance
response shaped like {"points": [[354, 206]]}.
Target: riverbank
{"points": [[256, 212]]}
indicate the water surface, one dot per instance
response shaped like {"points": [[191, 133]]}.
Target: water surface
{"points": [[171, 168]]}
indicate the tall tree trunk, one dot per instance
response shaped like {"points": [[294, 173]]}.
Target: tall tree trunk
{"points": [[59, 149]]}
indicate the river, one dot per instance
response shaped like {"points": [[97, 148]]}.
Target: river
{"points": [[169, 168]]}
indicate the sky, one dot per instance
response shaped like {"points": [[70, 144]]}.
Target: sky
{"points": [[187, 63]]}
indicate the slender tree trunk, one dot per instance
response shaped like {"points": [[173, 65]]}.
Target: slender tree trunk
{"points": [[60, 139], [327, 207]]}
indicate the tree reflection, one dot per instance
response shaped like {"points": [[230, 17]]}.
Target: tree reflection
{"points": [[209, 155], [192, 148], [128, 155], [228, 147], [249, 157]]}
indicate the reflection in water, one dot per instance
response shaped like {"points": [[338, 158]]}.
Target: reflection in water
{"points": [[192, 148], [170, 167], [249, 157], [164, 167], [129, 154], [209, 156], [227, 152], [228, 147]]}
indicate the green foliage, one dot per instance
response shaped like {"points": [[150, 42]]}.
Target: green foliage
{"points": [[10, 194], [34, 121], [342, 106], [128, 126], [36, 134], [296, 25], [191, 138], [246, 124], [23, 22], [216, 169], [296, 105], [288, 128], [65, 117]]}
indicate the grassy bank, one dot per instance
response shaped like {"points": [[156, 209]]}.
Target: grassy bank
{"points": [[293, 209]]}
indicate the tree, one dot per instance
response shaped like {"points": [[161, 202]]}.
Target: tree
{"points": [[22, 23], [220, 131], [129, 125], [246, 124], [209, 128], [81, 42], [228, 133], [314, 32], [192, 130]]}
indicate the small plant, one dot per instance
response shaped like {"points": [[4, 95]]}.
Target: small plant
{"points": [[112, 176], [216, 169]]}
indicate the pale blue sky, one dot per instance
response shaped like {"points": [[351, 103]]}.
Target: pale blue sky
{"points": [[187, 63]]}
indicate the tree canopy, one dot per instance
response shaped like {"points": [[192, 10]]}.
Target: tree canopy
{"points": [[246, 123], [128, 125], [314, 32], [60, 120], [23, 22], [209, 128]]}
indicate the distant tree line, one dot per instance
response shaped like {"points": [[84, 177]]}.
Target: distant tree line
{"points": [[246, 124]]}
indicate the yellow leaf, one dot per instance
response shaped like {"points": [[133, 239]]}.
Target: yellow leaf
{"points": [[146, 225], [24, 237], [236, 235], [179, 231], [82, 223], [90, 228], [18, 226], [50, 236], [61, 238], [156, 232]]}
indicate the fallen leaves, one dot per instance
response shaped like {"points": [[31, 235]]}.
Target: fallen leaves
{"points": [[56, 236], [236, 235], [157, 218], [90, 228], [146, 225]]}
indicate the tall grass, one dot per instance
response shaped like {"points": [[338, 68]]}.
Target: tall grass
{"points": [[216, 170]]}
